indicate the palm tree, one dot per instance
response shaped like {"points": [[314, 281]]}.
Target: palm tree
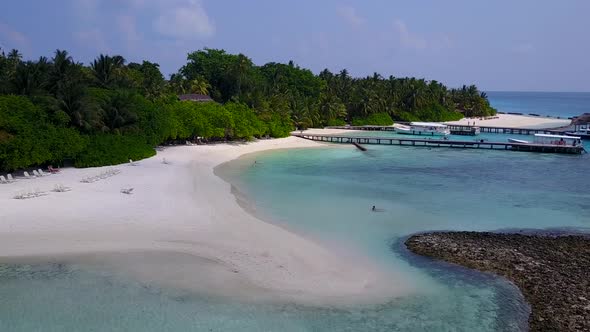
{"points": [[14, 56], [199, 85], [116, 113], [106, 68], [61, 65], [241, 68], [331, 107], [30, 77], [177, 84]]}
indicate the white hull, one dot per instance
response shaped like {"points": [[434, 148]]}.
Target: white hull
{"points": [[582, 134], [512, 140], [410, 131]]}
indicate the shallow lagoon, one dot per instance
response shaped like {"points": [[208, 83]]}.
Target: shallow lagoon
{"points": [[326, 194]]}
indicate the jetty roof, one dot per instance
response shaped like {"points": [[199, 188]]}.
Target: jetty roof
{"points": [[557, 136]]}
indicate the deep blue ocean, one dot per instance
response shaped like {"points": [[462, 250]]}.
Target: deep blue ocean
{"points": [[555, 104], [326, 194]]}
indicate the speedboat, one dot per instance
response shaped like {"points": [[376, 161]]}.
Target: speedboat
{"points": [[423, 128]]}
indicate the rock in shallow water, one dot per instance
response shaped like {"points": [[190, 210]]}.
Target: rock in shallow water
{"points": [[553, 272]]}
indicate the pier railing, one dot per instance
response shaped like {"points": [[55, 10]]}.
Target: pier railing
{"points": [[437, 143]]}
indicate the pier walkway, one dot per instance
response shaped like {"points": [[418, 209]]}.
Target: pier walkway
{"points": [[494, 130], [444, 143]]}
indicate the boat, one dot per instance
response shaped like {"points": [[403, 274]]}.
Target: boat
{"points": [[583, 132], [547, 139], [513, 140], [423, 128]]}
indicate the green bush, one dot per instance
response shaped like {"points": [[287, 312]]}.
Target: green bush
{"points": [[336, 122], [29, 138], [279, 125], [433, 113], [375, 119], [108, 149]]}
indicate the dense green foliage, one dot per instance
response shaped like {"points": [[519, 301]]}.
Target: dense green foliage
{"points": [[104, 149], [56, 110], [376, 119]]}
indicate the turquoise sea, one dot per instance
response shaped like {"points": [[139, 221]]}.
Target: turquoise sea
{"points": [[326, 194], [555, 104]]}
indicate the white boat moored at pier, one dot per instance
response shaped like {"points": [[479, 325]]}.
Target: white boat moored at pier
{"points": [[547, 139], [423, 128]]}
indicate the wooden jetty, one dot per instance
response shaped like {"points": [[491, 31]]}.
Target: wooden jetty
{"points": [[462, 129], [465, 130], [437, 143]]}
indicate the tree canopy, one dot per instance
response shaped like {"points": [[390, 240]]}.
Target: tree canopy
{"points": [[55, 110]]}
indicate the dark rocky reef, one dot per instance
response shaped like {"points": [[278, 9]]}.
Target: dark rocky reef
{"points": [[553, 272]]}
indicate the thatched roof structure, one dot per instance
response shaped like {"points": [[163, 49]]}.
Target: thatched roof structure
{"points": [[583, 119]]}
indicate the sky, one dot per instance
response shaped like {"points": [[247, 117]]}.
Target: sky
{"points": [[499, 45]]}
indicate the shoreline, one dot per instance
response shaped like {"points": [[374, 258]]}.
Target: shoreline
{"points": [[182, 212], [515, 121], [549, 269]]}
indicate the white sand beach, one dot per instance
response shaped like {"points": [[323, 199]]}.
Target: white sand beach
{"points": [[182, 227], [516, 121]]}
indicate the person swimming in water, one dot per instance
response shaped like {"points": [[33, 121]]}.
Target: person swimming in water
{"points": [[374, 208]]}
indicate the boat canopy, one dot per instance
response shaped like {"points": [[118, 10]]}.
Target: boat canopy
{"points": [[557, 136], [428, 124]]}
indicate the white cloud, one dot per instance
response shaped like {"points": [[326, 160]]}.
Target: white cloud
{"points": [[185, 21], [18, 39], [92, 39], [407, 38], [128, 27], [350, 15]]}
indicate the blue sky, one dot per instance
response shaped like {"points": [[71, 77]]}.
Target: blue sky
{"points": [[537, 45]]}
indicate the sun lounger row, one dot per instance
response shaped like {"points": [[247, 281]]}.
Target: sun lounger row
{"points": [[39, 173], [30, 194], [59, 188], [7, 179], [36, 174], [102, 176]]}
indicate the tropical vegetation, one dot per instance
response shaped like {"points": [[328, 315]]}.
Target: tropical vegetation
{"points": [[56, 110]]}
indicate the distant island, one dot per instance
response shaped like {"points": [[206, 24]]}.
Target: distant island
{"points": [[56, 110]]}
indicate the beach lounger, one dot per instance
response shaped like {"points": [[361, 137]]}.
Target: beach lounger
{"points": [[127, 191], [43, 173], [52, 170], [10, 178], [27, 175], [36, 174], [30, 194], [61, 188], [3, 179], [132, 163]]}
